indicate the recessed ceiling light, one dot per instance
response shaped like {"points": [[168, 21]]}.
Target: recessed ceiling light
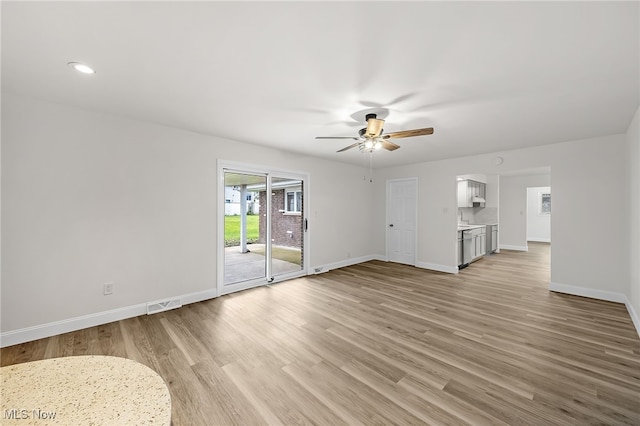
{"points": [[81, 67]]}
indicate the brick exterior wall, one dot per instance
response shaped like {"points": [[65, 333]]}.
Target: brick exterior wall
{"points": [[281, 223]]}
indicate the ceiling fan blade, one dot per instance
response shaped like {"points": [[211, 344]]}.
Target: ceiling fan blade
{"points": [[353, 145], [409, 133], [338, 137], [374, 127], [389, 146]]}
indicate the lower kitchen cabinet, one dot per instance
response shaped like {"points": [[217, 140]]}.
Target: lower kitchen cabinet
{"points": [[459, 248], [479, 242], [474, 241], [492, 238]]}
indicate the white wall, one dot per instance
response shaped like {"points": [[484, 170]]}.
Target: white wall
{"points": [[579, 169], [633, 144], [538, 225], [493, 191], [89, 198]]}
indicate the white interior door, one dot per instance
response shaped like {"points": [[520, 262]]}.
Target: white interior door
{"points": [[402, 197]]}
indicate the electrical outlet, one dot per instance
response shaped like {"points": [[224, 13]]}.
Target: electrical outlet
{"points": [[108, 289]]}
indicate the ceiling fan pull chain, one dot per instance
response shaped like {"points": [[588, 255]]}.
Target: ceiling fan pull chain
{"points": [[364, 169], [371, 167]]}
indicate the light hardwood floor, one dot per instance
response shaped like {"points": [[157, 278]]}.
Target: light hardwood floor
{"points": [[382, 343]]}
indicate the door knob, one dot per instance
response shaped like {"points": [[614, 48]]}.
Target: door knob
{"points": [[391, 225]]}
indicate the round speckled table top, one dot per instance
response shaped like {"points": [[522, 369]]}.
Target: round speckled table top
{"points": [[83, 390]]}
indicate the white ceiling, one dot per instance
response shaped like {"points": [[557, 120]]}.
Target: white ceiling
{"points": [[486, 76]]}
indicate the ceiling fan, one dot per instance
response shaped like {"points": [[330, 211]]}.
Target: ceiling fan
{"points": [[371, 138]]}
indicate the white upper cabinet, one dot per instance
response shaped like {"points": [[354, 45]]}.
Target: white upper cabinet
{"points": [[470, 189]]}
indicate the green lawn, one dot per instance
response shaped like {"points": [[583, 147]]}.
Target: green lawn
{"points": [[232, 229]]}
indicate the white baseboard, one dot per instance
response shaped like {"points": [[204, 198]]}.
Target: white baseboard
{"points": [[436, 267], [609, 296], [517, 248], [198, 296], [588, 292], [346, 262], [27, 334], [539, 240], [14, 337], [633, 314]]}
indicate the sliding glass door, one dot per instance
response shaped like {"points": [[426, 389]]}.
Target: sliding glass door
{"points": [[264, 226], [242, 228], [287, 226]]}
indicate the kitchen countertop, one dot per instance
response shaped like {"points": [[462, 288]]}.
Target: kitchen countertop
{"points": [[467, 227], [83, 390]]}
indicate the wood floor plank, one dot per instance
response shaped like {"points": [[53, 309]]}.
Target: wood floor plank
{"points": [[466, 412], [418, 407], [508, 407], [349, 414], [385, 343], [352, 394], [225, 404]]}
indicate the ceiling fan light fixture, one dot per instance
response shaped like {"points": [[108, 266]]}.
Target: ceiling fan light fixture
{"points": [[85, 69], [371, 139], [374, 127]]}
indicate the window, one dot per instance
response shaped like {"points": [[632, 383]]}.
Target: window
{"points": [[545, 203], [293, 202]]}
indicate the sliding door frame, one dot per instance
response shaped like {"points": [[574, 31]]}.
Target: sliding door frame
{"points": [[247, 168]]}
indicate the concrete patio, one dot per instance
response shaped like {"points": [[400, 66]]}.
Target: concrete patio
{"points": [[246, 266]]}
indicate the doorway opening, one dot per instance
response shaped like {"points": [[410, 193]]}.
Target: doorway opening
{"points": [[539, 214]]}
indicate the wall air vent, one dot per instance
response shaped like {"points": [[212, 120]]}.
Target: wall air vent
{"points": [[163, 305]]}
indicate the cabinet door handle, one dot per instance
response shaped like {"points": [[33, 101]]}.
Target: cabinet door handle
{"points": [[391, 225]]}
